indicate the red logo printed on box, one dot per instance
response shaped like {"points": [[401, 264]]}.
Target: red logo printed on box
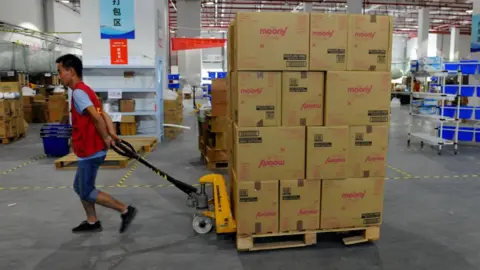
{"points": [[266, 214], [306, 106], [304, 212], [271, 163], [353, 195], [328, 34], [274, 31], [370, 35], [366, 89], [374, 158], [335, 160], [251, 91]]}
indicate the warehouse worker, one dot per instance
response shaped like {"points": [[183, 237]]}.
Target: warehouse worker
{"points": [[93, 133]]}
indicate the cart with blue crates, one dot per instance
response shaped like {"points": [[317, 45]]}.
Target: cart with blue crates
{"points": [[56, 139], [174, 81], [455, 122]]}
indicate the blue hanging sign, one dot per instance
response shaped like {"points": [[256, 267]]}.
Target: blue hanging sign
{"points": [[475, 42], [117, 19]]}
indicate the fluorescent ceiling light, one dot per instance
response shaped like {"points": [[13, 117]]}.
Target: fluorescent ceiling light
{"points": [[209, 3], [65, 1], [469, 11], [410, 19]]}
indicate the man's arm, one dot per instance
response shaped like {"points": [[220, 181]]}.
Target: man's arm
{"points": [[110, 126], [100, 124]]}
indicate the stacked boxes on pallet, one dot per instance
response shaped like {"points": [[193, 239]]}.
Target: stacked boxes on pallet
{"points": [[173, 114], [309, 110], [11, 113], [214, 131]]}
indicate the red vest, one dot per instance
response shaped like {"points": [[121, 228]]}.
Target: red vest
{"points": [[86, 140]]}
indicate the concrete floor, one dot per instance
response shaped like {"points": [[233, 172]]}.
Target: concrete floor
{"points": [[430, 221]]}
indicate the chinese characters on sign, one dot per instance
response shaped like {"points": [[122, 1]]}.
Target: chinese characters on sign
{"points": [[475, 39], [117, 19], [118, 52]]}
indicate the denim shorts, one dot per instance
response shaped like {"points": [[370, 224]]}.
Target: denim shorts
{"points": [[84, 184]]}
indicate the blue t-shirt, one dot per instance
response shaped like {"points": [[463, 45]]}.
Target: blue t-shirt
{"points": [[81, 103]]}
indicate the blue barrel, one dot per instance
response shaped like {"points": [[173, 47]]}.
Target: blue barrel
{"points": [[56, 139]]}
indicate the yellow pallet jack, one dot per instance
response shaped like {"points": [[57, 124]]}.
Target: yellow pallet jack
{"points": [[208, 210]]}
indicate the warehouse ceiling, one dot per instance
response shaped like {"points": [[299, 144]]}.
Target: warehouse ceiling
{"points": [[217, 14]]}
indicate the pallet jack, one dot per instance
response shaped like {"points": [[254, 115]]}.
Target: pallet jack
{"points": [[208, 210]]}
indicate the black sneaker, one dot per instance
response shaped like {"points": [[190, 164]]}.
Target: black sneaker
{"points": [[127, 218], [87, 227]]}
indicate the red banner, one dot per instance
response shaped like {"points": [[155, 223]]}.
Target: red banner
{"points": [[118, 52], [180, 44]]}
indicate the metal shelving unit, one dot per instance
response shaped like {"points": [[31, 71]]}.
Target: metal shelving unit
{"points": [[435, 137], [131, 82]]}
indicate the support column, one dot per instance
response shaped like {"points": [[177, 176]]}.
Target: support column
{"points": [[48, 16], [189, 25], [475, 79], [422, 32], [308, 7], [454, 43], [354, 6]]}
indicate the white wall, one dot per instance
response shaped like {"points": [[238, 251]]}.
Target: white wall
{"points": [[67, 20], [439, 45]]}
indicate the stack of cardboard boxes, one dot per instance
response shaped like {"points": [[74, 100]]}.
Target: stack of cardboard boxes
{"points": [[11, 113], [57, 106], [173, 114], [309, 103]]}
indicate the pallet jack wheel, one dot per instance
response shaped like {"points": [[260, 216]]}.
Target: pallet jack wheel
{"points": [[202, 224], [421, 145], [408, 143]]}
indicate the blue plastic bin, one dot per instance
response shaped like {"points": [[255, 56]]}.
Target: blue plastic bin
{"points": [[173, 85], [212, 75], [477, 134], [451, 66], [467, 90], [465, 134], [221, 74], [448, 111], [477, 113], [174, 77], [468, 67], [56, 145], [448, 132], [466, 112], [451, 89]]}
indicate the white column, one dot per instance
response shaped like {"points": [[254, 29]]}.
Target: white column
{"points": [[354, 6], [454, 43], [308, 7], [475, 79], [422, 32]]}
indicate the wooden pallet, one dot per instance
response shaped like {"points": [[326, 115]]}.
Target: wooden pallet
{"points": [[215, 165], [303, 239], [113, 160], [12, 139]]}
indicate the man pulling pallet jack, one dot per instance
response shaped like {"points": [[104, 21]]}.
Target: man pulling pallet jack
{"points": [[92, 134]]}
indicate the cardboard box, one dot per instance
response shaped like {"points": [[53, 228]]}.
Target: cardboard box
{"points": [[357, 98], [20, 125], [276, 153], [27, 101], [299, 205], [257, 97], [271, 41], [15, 107], [27, 114], [328, 41], [170, 106], [218, 124], [256, 207], [231, 46], [4, 108], [127, 105], [367, 151], [370, 41], [352, 202], [6, 129], [6, 87], [302, 98], [327, 149]]}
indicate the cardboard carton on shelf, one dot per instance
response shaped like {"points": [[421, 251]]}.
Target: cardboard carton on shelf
{"points": [[370, 41], [328, 41], [256, 206], [299, 205], [302, 98], [256, 98], [367, 151], [262, 153], [327, 149], [127, 105], [6, 87], [271, 41], [351, 202], [357, 98], [128, 125], [6, 130]]}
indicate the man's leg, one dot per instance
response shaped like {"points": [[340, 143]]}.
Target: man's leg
{"points": [[91, 224]]}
